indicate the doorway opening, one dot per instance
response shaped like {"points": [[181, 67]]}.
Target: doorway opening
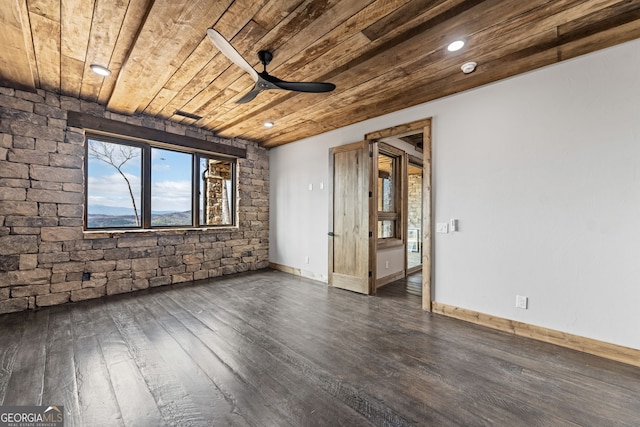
{"points": [[411, 281], [408, 288], [372, 240]]}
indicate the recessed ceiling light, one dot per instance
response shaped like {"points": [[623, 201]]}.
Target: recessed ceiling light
{"points": [[456, 45], [268, 124], [99, 69]]}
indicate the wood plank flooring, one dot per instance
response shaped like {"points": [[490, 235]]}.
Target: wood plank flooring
{"points": [[271, 349], [404, 289]]}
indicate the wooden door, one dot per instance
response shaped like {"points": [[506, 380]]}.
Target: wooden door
{"points": [[349, 241]]}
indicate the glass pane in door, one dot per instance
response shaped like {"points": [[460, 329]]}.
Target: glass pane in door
{"points": [[386, 185]]}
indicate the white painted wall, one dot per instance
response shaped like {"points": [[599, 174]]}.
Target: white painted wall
{"points": [[390, 262], [543, 172]]}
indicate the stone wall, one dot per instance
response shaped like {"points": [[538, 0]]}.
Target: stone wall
{"points": [[415, 201], [45, 256], [217, 200]]}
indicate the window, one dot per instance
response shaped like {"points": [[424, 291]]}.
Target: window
{"points": [[114, 185], [216, 192], [389, 194], [171, 188], [134, 185]]}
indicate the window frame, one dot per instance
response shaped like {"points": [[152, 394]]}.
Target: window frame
{"points": [[145, 210], [233, 203], [399, 167]]}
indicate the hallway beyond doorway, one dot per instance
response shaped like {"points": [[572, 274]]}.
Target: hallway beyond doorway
{"points": [[408, 288]]}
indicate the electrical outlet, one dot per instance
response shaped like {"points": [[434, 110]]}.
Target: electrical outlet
{"points": [[522, 302], [386, 264], [442, 227]]}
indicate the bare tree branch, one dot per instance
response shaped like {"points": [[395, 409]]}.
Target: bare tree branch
{"points": [[116, 155]]}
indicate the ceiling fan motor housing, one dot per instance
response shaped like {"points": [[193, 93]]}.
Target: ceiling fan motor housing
{"points": [[265, 57]]}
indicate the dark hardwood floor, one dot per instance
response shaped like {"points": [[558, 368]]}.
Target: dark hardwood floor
{"points": [[271, 349], [408, 289]]}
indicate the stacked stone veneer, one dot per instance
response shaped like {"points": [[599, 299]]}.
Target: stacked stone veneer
{"points": [[44, 251], [415, 201]]}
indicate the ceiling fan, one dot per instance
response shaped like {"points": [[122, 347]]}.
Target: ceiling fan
{"points": [[263, 80]]}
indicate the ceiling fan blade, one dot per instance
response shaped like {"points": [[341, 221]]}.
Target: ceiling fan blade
{"points": [[249, 95], [313, 87], [230, 52]]}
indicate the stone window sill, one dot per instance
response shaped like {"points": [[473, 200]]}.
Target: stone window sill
{"points": [[104, 234]]}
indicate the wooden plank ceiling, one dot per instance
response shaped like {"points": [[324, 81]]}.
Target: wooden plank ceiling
{"points": [[383, 55]]}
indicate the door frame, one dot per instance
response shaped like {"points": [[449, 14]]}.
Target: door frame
{"points": [[427, 220]]}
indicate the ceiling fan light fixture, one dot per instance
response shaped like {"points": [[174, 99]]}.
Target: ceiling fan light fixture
{"points": [[100, 70], [455, 46], [268, 124]]}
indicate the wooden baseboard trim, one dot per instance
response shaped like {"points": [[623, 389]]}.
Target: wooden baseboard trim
{"points": [[587, 345], [285, 269]]}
